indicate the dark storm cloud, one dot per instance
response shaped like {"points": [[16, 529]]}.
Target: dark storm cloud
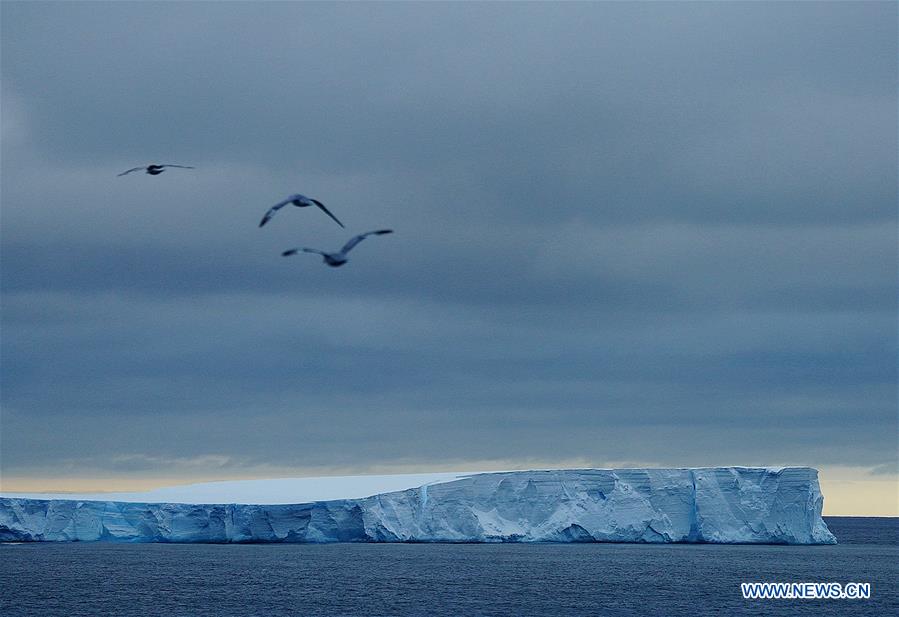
{"points": [[647, 232], [620, 112]]}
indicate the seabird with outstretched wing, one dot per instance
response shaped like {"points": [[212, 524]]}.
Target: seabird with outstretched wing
{"points": [[154, 170], [338, 259], [300, 201]]}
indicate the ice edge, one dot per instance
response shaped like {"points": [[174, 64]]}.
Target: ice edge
{"points": [[704, 505]]}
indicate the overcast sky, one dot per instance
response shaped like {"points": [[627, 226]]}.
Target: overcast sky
{"points": [[651, 233]]}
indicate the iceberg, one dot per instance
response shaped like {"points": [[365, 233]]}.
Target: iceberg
{"points": [[744, 505]]}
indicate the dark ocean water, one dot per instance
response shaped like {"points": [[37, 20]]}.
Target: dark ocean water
{"points": [[95, 579]]}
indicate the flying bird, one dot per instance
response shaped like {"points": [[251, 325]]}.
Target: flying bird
{"points": [[300, 201], [154, 170], [338, 259]]}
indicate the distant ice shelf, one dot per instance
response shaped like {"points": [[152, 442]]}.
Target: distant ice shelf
{"points": [[717, 505]]}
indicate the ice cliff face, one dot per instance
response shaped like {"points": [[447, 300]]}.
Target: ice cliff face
{"points": [[723, 505]]}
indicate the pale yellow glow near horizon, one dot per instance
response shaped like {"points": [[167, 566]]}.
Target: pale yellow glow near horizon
{"points": [[851, 491], [848, 491]]}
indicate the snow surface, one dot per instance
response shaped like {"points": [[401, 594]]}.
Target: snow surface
{"points": [[723, 505], [274, 491]]}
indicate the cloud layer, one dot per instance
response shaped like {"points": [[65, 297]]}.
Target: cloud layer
{"points": [[649, 232]]}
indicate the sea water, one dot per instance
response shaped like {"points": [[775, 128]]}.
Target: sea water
{"points": [[93, 579]]}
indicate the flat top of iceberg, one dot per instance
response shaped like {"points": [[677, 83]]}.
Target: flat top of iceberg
{"points": [[265, 492], [287, 490]]}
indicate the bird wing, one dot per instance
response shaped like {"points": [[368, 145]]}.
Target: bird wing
{"points": [[290, 252], [181, 166], [326, 211], [271, 211], [130, 170], [357, 239]]}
